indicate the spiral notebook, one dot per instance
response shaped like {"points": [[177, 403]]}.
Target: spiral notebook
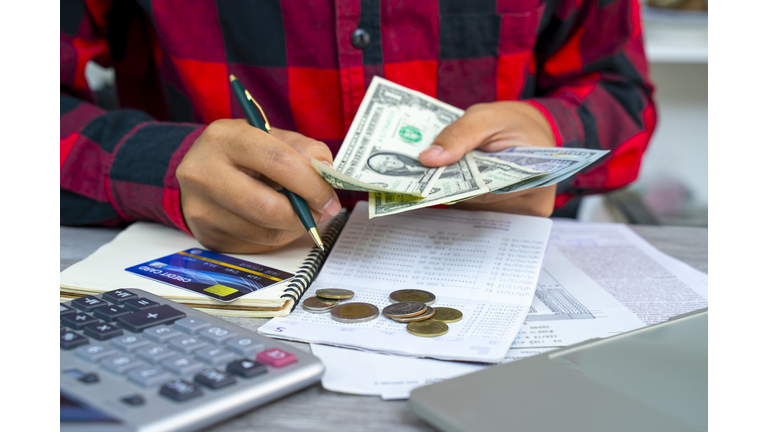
{"points": [[141, 242]]}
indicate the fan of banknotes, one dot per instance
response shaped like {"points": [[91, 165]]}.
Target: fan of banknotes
{"points": [[380, 155]]}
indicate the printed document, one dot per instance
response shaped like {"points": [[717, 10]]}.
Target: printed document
{"points": [[482, 263], [597, 280]]}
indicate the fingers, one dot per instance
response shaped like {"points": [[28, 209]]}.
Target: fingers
{"points": [[307, 147], [258, 151], [241, 235], [461, 136], [490, 127]]}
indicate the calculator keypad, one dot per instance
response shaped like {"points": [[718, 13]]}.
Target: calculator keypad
{"points": [[78, 320], [155, 346]]}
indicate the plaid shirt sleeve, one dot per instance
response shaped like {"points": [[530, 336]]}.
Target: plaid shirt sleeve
{"points": [[592, 78], [116, 166]]}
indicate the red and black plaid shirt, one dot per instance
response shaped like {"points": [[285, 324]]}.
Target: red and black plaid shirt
{"points": [[580, 62]]}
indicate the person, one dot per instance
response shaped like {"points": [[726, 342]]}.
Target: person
{"points": [[395, 164], [529, 73]]}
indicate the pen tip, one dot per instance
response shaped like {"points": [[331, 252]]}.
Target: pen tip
{"points": [[232, 78]]}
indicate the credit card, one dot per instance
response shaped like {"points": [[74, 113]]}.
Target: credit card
{"points": [[211, 274]]}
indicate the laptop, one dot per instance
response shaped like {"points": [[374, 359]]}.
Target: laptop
{"points": [[650, 379]]}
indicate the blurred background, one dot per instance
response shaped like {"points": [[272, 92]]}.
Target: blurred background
{"points": [[672, 186]]}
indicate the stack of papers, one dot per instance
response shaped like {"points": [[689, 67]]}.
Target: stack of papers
{"points": [[484, 264], [598, 280]]}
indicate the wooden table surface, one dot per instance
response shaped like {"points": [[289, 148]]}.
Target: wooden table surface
{"points": [[316, 409]]}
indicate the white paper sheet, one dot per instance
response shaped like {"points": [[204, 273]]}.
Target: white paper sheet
{"points": [[481, 263], [392, 376], [570, 306]]}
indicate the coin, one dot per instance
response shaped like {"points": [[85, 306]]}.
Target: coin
{"points": [[429, 313], [316, 305], [425, 297], [428, 328], [404, 309], [354, 312], [335, 293], [447, 315]]}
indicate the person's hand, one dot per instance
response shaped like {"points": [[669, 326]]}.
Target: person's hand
{"points": [[229, 180], [493, 127]]}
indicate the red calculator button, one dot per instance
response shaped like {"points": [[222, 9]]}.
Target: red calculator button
{"points": [[275, 357]]}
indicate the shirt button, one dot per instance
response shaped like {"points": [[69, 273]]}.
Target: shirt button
{"points": [[360, 38]]}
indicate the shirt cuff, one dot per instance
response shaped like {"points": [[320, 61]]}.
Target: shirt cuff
{"points": [[563, 120]]}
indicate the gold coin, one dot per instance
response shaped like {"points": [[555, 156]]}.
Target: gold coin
{"points": [[404, 309], [354, 312], [335, 293], [429, 313], [425, 297], [317, 305], [428, 328], [447, 315]]}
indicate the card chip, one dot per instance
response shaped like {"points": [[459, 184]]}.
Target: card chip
{"points": [[220, 290]]}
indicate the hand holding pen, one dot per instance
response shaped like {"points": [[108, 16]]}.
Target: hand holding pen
{"points": [[229, 180]]}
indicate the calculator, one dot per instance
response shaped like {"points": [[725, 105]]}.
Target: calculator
{"points": [[133, 361]]}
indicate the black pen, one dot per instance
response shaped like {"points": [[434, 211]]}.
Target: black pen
{"points": [[254, 119]]}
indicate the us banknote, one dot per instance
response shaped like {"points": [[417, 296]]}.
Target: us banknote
{"points": [[380, 153], [558, 163], [456, 183]]}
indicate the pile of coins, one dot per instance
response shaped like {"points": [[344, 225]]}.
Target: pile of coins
{"points": [[414, 307], [329, 300]]}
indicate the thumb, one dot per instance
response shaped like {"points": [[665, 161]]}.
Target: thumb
{"points": [[465, 134]]}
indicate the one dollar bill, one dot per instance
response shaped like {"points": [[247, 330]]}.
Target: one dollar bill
{"points": [[380, 153]]}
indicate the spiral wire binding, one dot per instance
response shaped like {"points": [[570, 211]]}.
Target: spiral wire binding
{"points": [[315, 259]]}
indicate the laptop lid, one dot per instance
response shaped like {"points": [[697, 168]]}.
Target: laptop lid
{"points": [[653, 378]]}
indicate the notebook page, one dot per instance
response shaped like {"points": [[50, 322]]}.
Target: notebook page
{"points": [[104, 270], [481, 263]]}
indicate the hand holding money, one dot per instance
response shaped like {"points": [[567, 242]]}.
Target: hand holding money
{"points": [[409, 151], [493, 127]]}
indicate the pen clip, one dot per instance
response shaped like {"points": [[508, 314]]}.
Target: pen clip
{"points": [[264, 116]]}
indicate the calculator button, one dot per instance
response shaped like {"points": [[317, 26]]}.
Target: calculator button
{"points": [[161, 334], [191, 325], [140, 304], [64, 310], [275, 357], [94, 353], [138, 321], [186, 344], [89, 378], [129, 343], [133, 400], [216, 335], [118, 296], [214, 379], [149, 376], [89, 303], [245, 346], [180, 390], [109, 313], [70, 340], [182, 365], [102, 331], [120, 364], [214, 355], [154, 353], [78, 320], [246, 368]]}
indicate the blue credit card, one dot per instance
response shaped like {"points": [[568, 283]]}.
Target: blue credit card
{"points": [[211, 274]]}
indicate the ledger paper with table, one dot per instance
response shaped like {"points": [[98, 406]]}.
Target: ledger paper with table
{"points": [[482, 263], [598, 280]]}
